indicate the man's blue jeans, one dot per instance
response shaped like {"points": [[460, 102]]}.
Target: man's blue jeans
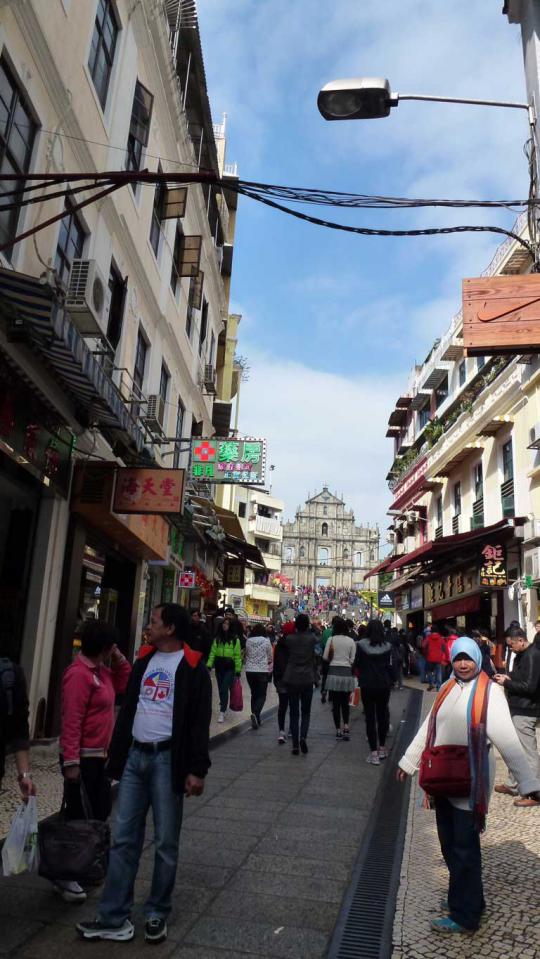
{"points": [[146, 782], [434, 674]]}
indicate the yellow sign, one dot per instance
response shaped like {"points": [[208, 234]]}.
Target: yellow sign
{"points": [[256, 607]]}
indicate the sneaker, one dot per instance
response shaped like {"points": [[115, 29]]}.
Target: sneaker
{"points": [[221, 718], [69, 891], [346, 734], [254, 723], [339, 734], [95, 929], [383, 753], [282, 739], [295, 751], [373, 758], [447, 925], [155, 930], [303, 747]]}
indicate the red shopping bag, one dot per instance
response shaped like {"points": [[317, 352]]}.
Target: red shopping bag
{"points": [[354, 697], [237, 699]]}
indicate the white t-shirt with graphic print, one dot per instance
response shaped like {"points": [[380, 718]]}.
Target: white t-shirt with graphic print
{"points": [[153, 719]]}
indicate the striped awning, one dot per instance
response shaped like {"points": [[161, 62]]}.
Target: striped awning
{"points": [[53, 335]]}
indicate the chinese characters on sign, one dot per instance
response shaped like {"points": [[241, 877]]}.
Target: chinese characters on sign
{"points": [[233, 574], [450, 586], [228, 460], [493, 568], [149, 491]]}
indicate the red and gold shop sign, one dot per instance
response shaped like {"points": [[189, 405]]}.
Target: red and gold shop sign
{"points": [[493, 568], [149, 491], [501, 314], [234, 574], [449, 586]]}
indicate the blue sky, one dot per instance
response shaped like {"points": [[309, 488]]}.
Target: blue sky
{"points": [[332, 323]]}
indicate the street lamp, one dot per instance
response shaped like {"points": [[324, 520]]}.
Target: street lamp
{"points": [[368, 98]]}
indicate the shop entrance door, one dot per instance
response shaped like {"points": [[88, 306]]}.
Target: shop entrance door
{"points": [[19, 506]]}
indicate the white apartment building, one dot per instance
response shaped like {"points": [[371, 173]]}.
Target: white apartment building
{"points": [[112, 319], [260, 516]]}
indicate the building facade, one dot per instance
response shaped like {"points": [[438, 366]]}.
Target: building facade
{"points": [[114, 328], [465, 482], [323, 546], [260, 516]]}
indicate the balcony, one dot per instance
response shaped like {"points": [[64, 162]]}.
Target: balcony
{"points": [[266, 594], [267, 527]]}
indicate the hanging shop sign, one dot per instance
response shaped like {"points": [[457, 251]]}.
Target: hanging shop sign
{"points": [[222, 460], [501, 314], [386, 600], [493, 570], [234, 571], [449, 586], [148, 491], [186, 580]]}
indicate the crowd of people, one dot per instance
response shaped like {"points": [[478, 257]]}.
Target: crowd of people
{"points": [[157, 745], [322, 600]]}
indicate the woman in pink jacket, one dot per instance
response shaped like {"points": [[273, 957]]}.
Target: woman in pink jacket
{"points": [[89, 689]]}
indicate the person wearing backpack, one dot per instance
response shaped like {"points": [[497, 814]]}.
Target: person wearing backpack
{"points": [[14, 731]]}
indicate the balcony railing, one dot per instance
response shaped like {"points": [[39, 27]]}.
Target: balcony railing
{"points": [[477, 518], [438, 532], [507, 498]]}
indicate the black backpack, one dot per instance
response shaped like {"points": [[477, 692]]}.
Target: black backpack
{"points": [[8, 682]]}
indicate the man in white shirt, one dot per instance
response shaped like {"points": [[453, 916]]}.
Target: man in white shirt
{"points": [[159, 752]]}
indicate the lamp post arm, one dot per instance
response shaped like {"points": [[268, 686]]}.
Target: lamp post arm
{"points": [[396, 97]]}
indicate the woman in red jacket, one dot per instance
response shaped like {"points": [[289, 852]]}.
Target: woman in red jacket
{"points": [[89, 689]]}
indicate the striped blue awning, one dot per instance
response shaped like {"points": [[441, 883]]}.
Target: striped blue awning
{"points": [[53, 334]]}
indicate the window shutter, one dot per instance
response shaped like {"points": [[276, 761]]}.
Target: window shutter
{"points": [[174, 203], [196, 293], [191, 256]]}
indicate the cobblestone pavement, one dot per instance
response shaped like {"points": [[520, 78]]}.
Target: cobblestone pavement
{"points": [[49, 782], [511, 861], [266, 856]]}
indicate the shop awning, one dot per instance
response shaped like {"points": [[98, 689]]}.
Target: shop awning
{"points": [[378, 569], [228, 520], [446, 544], [251, 554], [404, 580], [52, 334]]}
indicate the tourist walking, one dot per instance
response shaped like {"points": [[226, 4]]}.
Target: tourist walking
{"points": [[258, 666], [298, 679], [226, 657], [522, 688], [159, 752], [375, 677], [471, 711], [90, 686], [281, 657], [434, 650], [340, 654], [14, 732]]}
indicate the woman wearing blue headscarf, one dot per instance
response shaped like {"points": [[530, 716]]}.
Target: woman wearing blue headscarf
{"points": [[469, 711]]}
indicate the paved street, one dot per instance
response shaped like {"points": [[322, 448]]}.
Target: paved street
{"points": [[266, 855]]}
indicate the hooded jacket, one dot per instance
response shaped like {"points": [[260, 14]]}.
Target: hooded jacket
{"points": [[192, 712], [88, 697], [374, 665], [523, 688]]}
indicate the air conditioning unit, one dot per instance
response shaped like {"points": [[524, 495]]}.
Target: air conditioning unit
{"points": [[531, 530], [411, 516], [155, 414], [532, 563], [209, 378], [534, 436], [88, 298], [390, 537]]}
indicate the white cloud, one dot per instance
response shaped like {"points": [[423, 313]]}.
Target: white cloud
{"points": [[320, 428]]}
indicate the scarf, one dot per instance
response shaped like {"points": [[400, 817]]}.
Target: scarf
{"points": [[476, 739]]}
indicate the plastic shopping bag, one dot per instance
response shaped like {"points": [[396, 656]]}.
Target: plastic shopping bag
{"points": [[237, 700], [20, 849], [354, 698]]}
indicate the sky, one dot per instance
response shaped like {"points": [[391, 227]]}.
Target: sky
{"points": [[333, 323]]}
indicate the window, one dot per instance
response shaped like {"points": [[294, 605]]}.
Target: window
{"points": [[204, 326], [302, 552], [288, 554], [70, 244], [242, 510], [324, 529], [180, 416], [478, 481], [480, 362], [100, 61], [462, 372], [177, 256], [457, 499], [323, 556], [507, 461], [423, 417], [358, 560], [157, 214], [441, 393], [118, 290], [439, 511], [139, 127], [325, 510], [345, 553], [140, 361], [164, 385], [17, 133]]}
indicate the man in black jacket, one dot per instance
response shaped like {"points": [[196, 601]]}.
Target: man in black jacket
{"points": [[522, 688], [159, 752], [14, 732]]}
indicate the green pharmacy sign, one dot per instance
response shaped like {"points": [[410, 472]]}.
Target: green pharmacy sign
{"points": [[222, 460]]}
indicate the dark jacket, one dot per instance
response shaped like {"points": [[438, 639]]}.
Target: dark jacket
{"points": [[374, 665], [14, 732], [281, 658], [523, 689], [192, 712], [201, 640], [300, 668]]}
